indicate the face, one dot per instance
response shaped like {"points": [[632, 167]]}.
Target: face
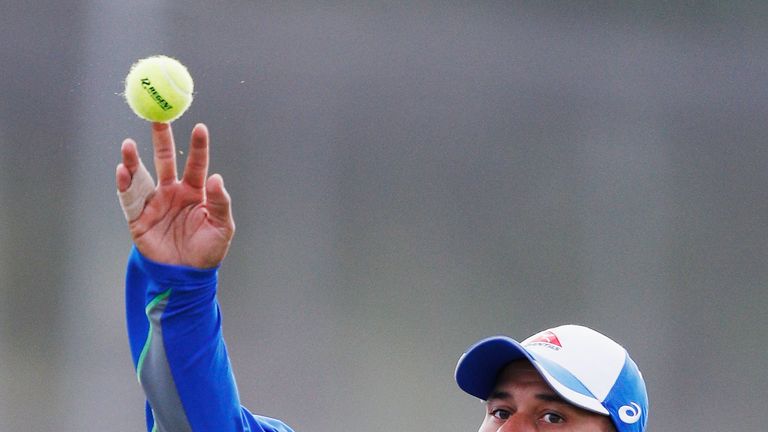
{"points": [[523, 401]]}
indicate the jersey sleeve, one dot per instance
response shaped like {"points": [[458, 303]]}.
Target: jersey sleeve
{"points": [[181, 361]]}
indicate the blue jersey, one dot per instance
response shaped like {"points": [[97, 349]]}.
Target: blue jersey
{"points": [[174, 329]]}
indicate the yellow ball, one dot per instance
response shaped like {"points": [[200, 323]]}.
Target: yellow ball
{"points": [[159, 89]]}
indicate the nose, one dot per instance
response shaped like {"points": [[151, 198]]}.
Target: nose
{"points": [[517, 423]]}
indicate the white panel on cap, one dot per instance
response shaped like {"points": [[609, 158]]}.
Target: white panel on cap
{"points": [[591, 357]]}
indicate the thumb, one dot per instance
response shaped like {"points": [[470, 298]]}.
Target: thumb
{"points": [[218, 203]]}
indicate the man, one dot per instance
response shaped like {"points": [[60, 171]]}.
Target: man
{"points": [[569, 378]]}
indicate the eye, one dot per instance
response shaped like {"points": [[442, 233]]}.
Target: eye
{"points": [[500, 414], [553, 418]]}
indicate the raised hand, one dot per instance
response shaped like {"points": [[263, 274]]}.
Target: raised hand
{"points": [[187, 222]]}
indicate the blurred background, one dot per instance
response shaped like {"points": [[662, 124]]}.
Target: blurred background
{"points": [[408, 177]]}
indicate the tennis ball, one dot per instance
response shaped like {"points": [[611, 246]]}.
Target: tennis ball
{"points": [[158, 89]]}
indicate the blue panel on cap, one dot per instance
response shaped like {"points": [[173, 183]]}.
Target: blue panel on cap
{"points": [[628, 400], [563, 376]]}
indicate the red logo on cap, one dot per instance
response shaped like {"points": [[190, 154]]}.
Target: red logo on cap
{"points": [[546, 337]]}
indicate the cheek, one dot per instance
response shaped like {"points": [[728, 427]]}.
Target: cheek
{"points": [[487, 425], [608, 425], [596, 423]]}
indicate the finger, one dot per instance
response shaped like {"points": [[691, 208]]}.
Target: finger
{"points": [[196, 169], [130, 155], [122, 178], [165, 153], [133, 190], [219, 203], [129, 166]]}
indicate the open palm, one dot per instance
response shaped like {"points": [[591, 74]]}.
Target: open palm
{"points": [[184, 222]]}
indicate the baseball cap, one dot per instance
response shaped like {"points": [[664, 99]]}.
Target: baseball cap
{"points": [[585, 367]]}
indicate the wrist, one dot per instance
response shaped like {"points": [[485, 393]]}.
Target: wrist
{"points": [[174, 274]]}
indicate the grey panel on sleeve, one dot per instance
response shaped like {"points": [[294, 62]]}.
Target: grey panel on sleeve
{"points": [[157, 381]]}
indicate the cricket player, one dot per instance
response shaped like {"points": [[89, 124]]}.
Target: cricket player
{"points": [[568, 378]]}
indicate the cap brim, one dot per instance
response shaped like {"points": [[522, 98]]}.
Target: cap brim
{"points": [[479, 367]]}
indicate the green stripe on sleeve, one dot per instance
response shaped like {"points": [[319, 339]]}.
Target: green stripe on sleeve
{"points": [[162, 296]]}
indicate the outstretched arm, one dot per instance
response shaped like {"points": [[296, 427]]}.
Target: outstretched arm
{"points": [[181, 231]]}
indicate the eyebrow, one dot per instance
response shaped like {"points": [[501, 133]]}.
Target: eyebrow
{"points": [[546, 397], [551, 397], [499, 395]]}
